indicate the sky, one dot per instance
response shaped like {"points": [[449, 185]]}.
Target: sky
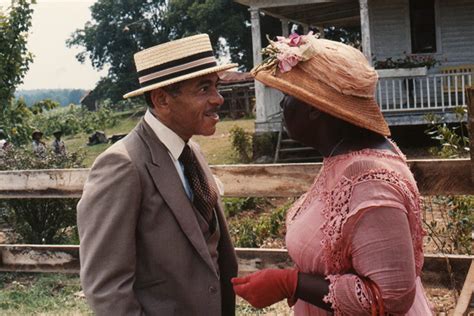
{"points": [[55, 65]]}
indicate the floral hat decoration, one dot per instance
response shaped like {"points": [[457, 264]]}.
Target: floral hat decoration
{"points": [[331, 76]]}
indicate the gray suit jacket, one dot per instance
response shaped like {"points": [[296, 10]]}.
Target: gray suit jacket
{"points": [[142, 251]]}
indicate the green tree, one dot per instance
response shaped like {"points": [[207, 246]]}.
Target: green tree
{"points": [[14, 55], [121, 28], [14, 63]]}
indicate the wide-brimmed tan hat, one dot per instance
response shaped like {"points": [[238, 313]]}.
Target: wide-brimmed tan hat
{"points": [[175, 61], [333, 77]]}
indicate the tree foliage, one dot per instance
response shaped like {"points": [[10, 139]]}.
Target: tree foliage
{"points": [[14, 63], [14, 55], [121, 28]]}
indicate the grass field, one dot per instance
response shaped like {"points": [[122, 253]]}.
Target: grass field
{"points": [[60, 294], [217, 148]]}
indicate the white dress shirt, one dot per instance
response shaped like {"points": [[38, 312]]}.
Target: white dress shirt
{"points": [[173, 143]]}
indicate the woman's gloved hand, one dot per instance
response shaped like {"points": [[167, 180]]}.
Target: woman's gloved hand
{"points": [[266, 287]]}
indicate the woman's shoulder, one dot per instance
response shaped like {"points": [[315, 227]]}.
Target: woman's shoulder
{"points": [[353, 164]]}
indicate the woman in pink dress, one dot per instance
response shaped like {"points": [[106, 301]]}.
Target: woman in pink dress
{"points": [[355, 237]]}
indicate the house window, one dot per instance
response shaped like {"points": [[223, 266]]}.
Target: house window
{"points": [[423, 27]]}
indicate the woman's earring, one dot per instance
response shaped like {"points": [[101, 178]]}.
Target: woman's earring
{"points": [[314, 115]]}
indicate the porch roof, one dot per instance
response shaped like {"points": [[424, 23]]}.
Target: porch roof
{"points": [[310, 12]]}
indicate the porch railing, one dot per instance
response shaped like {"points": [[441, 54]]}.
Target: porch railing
{"points": [[439, 92]]}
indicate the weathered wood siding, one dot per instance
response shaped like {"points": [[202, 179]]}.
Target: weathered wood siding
{"points": [[457, 32], [390, 28]]}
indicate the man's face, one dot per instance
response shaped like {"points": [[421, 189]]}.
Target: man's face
{"points": [[194, 110]]}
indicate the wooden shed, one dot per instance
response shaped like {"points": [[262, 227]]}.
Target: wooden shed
{"points": [[238, 91], [439, 29]]}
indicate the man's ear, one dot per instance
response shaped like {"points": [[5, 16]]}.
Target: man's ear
{"points": [[160, 99]]}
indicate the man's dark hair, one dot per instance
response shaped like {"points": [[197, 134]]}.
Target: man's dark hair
{"points": [[173, 89]]}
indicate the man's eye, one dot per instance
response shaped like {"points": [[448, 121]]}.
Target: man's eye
{"points": [[204, 88]]}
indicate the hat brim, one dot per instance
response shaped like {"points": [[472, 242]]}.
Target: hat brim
{"points": [[179, 79], [362, 112]]}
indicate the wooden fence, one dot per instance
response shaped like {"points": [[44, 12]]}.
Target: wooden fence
{"points": [[285, 180]]}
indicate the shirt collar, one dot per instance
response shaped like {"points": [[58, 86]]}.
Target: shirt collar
{"points": [[170, 139]]}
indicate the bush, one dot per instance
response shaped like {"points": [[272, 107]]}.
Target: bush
{"points": [[255, 230], [409, 61], [46, 221], [452, 233], [241, 143]]}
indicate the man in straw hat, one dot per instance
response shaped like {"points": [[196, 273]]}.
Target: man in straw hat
{"points": [[153, 235], [38, 145]]}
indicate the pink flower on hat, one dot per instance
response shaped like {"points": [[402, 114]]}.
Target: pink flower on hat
{"points": [[286, 61], [286, 53], [294, 40]]}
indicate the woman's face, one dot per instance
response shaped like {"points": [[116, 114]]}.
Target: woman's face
{"points": [[300, 120]]}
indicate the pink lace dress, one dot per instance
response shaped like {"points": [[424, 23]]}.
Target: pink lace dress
{"points": [[361, 217]]}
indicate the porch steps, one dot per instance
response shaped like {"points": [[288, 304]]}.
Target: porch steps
{"points": [[289, 150]]}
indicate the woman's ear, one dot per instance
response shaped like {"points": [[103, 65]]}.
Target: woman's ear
{"points": [[314, 114]]}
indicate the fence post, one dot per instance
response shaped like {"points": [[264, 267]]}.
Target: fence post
{"points": [[470, 125]]}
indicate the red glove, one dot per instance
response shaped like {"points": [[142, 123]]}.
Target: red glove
{"points": [[266, 287]]}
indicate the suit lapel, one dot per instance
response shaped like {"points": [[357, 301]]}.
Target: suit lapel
{"points": [[168, 183]]}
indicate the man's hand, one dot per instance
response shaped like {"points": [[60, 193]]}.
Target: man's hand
{"points": [[266, 287]]}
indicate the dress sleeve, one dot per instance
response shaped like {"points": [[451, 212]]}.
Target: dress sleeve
{"points": [[380, 247]]}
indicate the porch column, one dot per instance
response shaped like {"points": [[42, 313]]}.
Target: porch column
{"points": [[284, 27], [256, 37], [365, 29], [260, 116], [267, 100]]}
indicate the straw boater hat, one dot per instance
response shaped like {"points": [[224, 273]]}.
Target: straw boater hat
{"points": [[175, 61], [333, 77]]}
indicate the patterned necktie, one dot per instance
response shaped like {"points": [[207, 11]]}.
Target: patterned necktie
{"points": [[205, 196]]}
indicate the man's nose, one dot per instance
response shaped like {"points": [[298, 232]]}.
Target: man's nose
{"points": [[217, 99]]}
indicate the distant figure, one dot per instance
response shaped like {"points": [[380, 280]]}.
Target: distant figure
{"points": [[4, 143], [39, 147], [98, 137], [58, 145]]}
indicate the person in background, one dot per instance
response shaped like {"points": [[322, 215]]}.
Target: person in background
{"points": [[4, 143], [58, 145], [356, 236], [38, 145], [153, 236]]}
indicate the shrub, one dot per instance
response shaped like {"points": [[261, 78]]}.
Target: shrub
{"points": [[254, 230], [409, 61], [47, 221], [452, 233], [241, 143]]}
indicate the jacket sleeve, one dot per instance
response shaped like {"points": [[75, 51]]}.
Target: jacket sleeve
{"points": [[107, 216]]}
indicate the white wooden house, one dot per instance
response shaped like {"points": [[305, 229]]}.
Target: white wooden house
{"points": [[443, 29]]}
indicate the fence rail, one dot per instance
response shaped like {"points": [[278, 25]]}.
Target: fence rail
{"points": [[434, 177]]}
